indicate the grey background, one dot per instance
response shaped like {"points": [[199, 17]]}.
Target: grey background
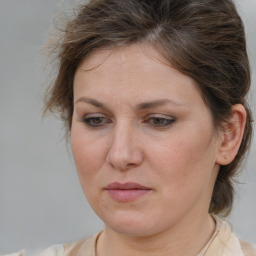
{"points": [[41, 202]]}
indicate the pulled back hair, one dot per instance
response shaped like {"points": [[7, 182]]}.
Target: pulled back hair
{"points": [[203, 39]]}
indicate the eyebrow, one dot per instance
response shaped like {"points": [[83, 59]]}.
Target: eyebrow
{"points": [[157, 103], [91, 101], [141, 106]]}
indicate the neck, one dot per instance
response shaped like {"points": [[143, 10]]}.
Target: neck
{"points": [[184, 239]]}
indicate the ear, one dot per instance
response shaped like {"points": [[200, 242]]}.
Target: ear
{"points": [[231, 136]]}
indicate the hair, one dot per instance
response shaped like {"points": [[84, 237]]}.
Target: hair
{"points": [[203, 39]]}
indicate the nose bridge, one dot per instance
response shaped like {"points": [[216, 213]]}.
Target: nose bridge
{"points": [[124, 151], [122, 134]]}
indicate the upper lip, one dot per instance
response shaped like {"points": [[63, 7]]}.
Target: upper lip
{"points": [[126, 186]]}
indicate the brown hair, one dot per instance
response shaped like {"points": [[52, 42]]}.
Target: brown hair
{"points": [[203, 39]]}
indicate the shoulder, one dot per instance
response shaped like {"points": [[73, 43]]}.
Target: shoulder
{"points": [[54, 250], [227, 242], [248, 249], [84, 247]]}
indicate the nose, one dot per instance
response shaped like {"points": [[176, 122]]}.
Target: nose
{"points": [[125, 150]]}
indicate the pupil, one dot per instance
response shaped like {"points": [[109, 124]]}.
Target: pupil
{"points": [[159, 121], [98, 120]]}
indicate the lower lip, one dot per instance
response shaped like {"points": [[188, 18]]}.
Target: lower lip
{"points": [[127, 195]]}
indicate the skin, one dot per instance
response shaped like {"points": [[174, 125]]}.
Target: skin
{"points": [[170, 147]]}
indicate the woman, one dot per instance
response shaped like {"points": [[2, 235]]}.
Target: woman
{"points": [[153, 95]]}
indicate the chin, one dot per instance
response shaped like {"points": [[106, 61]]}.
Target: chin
{"points": [[132, 229], [130, 223]]}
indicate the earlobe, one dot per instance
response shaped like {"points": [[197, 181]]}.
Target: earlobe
{"points": [[232, 135]]}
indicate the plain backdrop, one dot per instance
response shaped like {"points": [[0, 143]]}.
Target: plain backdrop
{"points": [[41, 202]]}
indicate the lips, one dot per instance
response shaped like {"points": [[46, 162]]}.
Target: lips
{"points": [[126, 192]]}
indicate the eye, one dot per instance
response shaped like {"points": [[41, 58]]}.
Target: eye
{"points": [[96, 121], [161, 121]]}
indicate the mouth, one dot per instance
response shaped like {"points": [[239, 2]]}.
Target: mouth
{"points": [[126, 192]]}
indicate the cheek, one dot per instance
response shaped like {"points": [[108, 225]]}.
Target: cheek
{"points": [[185, 161], [89, 155]]}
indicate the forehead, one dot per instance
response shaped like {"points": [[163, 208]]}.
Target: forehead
{"points": [[132, 69], [120, 55]]}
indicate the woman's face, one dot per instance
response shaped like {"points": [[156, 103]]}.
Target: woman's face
{"points": [[143, 141]]}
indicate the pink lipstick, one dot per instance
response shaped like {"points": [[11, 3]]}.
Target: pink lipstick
{"points": [[126, 192]]}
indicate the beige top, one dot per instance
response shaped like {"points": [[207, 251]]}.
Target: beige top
{"points": [[222, 243]]}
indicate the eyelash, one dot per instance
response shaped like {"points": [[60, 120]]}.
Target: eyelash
{"points": [[163, 122], [159, 122], [89, 121]]}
